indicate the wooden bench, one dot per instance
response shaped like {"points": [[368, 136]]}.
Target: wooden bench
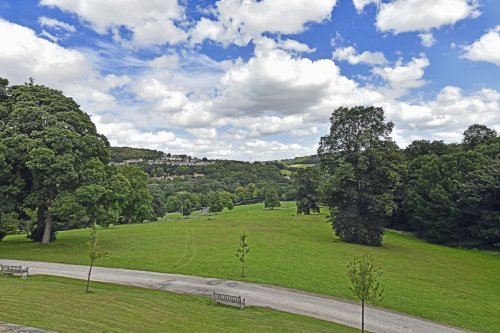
{"points": [[10, 269], [229, 300]]}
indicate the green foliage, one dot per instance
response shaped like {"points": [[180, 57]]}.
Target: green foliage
{"points": [[424, 147], [272, 199], [227, 199], [215, 202], [138, 204], [173, 204], [94, 252], [187, 208], [477, 134], [365, 170], [307, 182], [47, 142], [120, 154], [159, 200], [479, 203], [9, 224], [453, 199], [242, 252], [365, 282], [246, 181]]}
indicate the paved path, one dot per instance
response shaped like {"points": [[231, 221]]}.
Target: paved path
{"points": [[288, 300], [12, 328]]}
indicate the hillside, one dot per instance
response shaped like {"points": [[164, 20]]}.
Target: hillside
{"points": [[121, 154]]}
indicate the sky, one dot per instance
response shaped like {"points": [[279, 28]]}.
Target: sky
{"points": [[259, 79]]}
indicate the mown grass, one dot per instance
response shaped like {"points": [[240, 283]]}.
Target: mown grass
{"points": [[302, 165], [61, 304], [454, 286]]}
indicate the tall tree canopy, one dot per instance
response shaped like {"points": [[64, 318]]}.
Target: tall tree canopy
{"points": [[53, 151], [364, 167], [477, 134], [307, 184], [454, 199], [139, 203]]}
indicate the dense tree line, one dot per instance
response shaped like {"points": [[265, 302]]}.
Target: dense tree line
{"points": [[55, 170], [120, 154], [247, 182], [446, 193]]}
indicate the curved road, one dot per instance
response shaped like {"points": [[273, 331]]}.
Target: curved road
{"points": [[288, 300]]}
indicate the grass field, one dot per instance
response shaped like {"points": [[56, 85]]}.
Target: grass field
{"points": [[286, 172], [454, 286], [62, 305], [302, 165]]}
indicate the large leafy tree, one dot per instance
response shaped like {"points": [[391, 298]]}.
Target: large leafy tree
{"points": [[139, 203], [364, 167], [272, 198], [159, 200], [307, 184], [215, 202], [49, 141]]}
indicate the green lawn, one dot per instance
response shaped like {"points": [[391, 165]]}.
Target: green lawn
{"points": [[454, 286], [62, 305]]}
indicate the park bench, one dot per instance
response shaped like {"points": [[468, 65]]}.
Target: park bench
{"points": [[10, 269], [229, 300]]}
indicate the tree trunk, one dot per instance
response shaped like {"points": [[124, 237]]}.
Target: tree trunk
{"points": [[40, 216], [48, 229], [88, 278], [362, 316], [48, 218]]}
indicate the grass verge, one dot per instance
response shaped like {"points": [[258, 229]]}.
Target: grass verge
{"points": [[61, 304]]}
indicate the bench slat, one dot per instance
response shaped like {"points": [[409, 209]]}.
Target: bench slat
{"points": [[12, 269], [229, 299]]}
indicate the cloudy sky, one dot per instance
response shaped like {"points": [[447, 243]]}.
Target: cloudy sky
{"points": [[258, 80]]}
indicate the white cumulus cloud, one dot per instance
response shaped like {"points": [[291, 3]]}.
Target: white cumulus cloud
{"points": [[150, 21], [402, 77], [422, 15], [486, 48], [26, 55], [361, 4], [427, 39], [239, 22], [351, 56]]}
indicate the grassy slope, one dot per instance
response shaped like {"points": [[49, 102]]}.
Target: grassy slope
{"points": [[61, 304], [459, 287], [302, 166]]}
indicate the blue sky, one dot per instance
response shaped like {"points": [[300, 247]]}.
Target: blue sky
{"points": [[258, 80]]}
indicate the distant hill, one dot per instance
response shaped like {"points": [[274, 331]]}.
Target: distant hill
{"points": [[301, 161], [120, 154]]}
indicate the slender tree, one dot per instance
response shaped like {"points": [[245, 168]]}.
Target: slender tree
{"points": [[365, 282], [94, 252], [242, 252]]}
